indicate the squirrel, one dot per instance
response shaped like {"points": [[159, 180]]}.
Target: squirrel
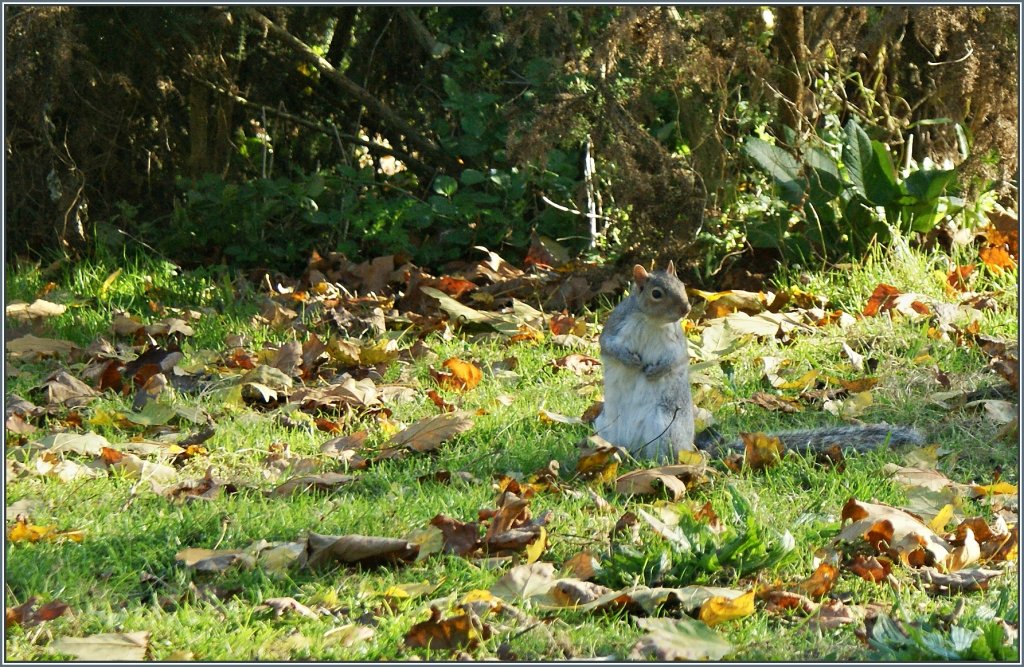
{"points": [[648, 408]]}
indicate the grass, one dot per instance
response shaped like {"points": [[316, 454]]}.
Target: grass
{"points": [[123, 577]]}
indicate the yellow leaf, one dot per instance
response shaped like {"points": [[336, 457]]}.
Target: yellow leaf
{"points": [[941, 519], [28, 532], [536, 548], [478, 595], [109, 281], [718, 609], [995, 489], [383, 352], [687, 457]]}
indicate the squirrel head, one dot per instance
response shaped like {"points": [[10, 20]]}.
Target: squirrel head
{"points": [[660, 294]]}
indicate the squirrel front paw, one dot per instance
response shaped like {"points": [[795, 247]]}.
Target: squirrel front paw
{"points": [[656, 369]]}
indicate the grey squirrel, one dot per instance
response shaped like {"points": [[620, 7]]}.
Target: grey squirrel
{"points": [[648, 409]]}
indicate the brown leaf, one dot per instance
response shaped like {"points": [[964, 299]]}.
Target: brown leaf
{"points": [[461, 375], [683, 639], [761, 451], [524, 582], [281, 606], [26, 615], [582, 566], [651, 481], [453, 633], [454, 287], [109, 647], [882, 299], [460, 538], [580, 364], [345, 447], [997, 259], [38, 309], [213, 560], [968, 580], [870, 568], [426, 435], [778, 602], [327, 481], [66, 390], [324, 550], [563, 323], [957, 278], [439, 401], [31, 348], [894, 532], [773, 402], [820, 582]]}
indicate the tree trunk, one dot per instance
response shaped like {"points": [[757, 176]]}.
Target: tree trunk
{"points": [[789, 47]]}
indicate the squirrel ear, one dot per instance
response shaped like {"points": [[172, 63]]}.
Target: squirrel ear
{"points": [[639, 275], [671, 268]]}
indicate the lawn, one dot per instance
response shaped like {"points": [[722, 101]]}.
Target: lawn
{"points": [[221, 497]]}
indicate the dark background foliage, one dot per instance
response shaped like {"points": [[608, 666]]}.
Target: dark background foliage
{"points": [[255, 136]]}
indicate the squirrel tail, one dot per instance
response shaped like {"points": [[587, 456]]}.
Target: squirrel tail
{"points": [[861, 438]]}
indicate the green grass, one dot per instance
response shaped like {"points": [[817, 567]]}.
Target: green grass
{"points": [[123, 577]]}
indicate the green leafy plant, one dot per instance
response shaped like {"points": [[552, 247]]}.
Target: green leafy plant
{"points": [[844, 196], [701, 554]]}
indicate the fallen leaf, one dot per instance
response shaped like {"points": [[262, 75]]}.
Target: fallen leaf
{"points": [[64, 389], [281, 606], [348, 635], [674, 478], [461, 375], [968, 580], [892, 531], [870, 568], [820, 582], [427, 434], [109, 647], [324, 550], [761, 451], [881, 299], [580, 364], [718, 610], [327, 481], [997, 259], [670, 639], [26, 615], [38, 309], [32, 348], [524, 582], [455, 632], [214, 560], [459, 537]]}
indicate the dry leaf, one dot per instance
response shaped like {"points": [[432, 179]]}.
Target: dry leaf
{"points": [[580, 364], [324, 550], [109, 647], [718, 610], [38, 309], [427, 434], [820, 582], [456, 632], [281, 606], [214, 560], [678, 640], [327, 481]]}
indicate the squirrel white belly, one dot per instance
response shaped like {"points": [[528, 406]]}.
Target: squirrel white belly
{"points": [[648, 409]]}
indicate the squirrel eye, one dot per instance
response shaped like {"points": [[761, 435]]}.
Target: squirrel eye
{"points": [[656, 293]]}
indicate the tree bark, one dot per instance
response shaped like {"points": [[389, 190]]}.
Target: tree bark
{"points": [[789, 45]]}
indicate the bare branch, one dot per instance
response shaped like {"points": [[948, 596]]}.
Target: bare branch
{"points": [[377, 108]]}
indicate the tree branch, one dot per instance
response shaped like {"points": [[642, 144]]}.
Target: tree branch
{"points": [[327, 128], [372, 104]]}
